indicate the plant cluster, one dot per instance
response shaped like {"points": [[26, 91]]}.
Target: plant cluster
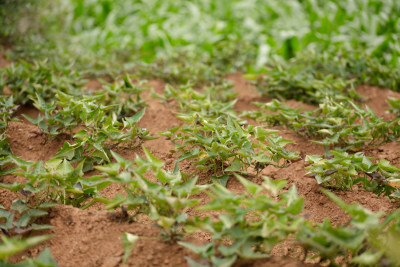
{"points": [[223, 145], [395, 105], [339, 124], [7, 108], [250, 225], [368, 239], [204, 38], [343, 170], [10, 14], [10, 246], [211, 102], [26, 80], [305, 50], [125, 95], [27, 215], [165, 200], [288, 82], [5, 152], [55, 181], [311, 77], [101, 131], [182, 68]]}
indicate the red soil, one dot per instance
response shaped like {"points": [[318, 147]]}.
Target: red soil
{"points": [[92, 237]]}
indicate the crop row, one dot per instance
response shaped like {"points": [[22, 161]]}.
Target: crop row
{"points": [[214, 137]]}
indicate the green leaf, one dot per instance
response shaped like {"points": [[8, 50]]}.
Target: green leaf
{"points": [[224, 262], [273, 186], [23, 220], [128, 242], [131, 121], [251, 187], [294, 202], [186, 188], [8, 217], [66, 168], [11, 246], [385, 165], [38, 227], [368, 258], [16, 186], [45, 259], [193, 263], [198, 249], [19, 205], [261, 133], [235, 166], [222, 180], [37, 213], [67, 151], [82, 134], [111, 169], [150, 157], [226, 220], [165, 222]]}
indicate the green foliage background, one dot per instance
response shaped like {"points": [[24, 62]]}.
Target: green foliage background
{"points": [[223, 35]]}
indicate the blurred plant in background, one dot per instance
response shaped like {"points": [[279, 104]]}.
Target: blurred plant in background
{"points": [[215, 37]]}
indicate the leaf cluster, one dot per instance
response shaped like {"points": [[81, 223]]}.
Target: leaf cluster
{"points": [[10, 246], [343, 170], [395, 105], [100, 131], [311, 76], [252, 224], [211, 102], [125, 96], [27, 215], [182, 42], [165, 200], [249, 225], [26, 80], [226, 146], [368, 239], [343, 124], [7, 109], [55, 181]]}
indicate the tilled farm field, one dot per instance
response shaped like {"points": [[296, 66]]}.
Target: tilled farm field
{"points": [[199, 133], [92, 237]]}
